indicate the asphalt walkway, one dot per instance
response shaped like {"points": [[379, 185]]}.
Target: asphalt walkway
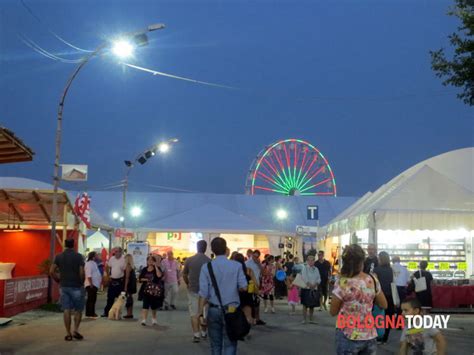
{"points": [[41, 332]]}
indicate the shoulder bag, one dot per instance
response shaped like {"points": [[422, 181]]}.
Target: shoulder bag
{"points": [[236, 323], [420, 283]]}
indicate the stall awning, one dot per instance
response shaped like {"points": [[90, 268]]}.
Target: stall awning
{"points": [[12, 149], [31, 207]]}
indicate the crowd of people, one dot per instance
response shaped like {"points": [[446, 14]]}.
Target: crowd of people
{"points": [[229, 283]]}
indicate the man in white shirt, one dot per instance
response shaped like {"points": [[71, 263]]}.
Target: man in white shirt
{"points": [[401, 277], [92, 283], [116, 270]]}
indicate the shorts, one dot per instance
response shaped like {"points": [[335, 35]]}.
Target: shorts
{"points": [[270, 296], [346, 346], [323, 288], [152, 303], [72, 298], [193, 304]]}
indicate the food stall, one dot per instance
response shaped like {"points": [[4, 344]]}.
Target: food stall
{"points": [[421, 214], [25, 235]]}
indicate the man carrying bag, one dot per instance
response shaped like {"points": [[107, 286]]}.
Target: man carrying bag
{"points": [[219, 285]]}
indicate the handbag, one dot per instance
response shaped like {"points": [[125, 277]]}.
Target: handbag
{"points": [[299, 282], [378, 311], [395, 295], [313, 299], [420, 283], [236, 324]]}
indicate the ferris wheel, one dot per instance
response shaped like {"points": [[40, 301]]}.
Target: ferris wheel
{"points": [[291, 167]]}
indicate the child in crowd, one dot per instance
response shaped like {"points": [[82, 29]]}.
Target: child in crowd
{"points": [[293, 296], [421, 341]]}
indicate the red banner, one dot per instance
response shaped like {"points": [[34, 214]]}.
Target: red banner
{"points": [[23, 290], [123, 233]]}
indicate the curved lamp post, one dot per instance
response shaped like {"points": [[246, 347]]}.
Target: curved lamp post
{"points": [[121, 48]]}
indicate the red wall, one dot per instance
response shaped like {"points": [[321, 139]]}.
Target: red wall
{"points": [[27, 249]]}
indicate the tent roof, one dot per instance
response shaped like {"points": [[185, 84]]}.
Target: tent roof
{"points": [[28, 206], [12, 149], [423, 189], [220, 212], [210, 217]]}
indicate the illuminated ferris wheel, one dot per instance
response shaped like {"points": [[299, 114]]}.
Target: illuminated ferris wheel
{"points": [[291, 167]]}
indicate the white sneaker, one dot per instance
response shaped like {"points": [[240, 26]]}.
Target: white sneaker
{"points": [[154, 322], [304, 321], [273, 310], [143, 322], [266, 310]]}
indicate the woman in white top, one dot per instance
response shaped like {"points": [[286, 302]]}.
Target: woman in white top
{"points": [[92, 283]]}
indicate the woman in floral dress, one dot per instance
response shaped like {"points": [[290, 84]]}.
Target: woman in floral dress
{"points": [[267, 286], [353, 298]]}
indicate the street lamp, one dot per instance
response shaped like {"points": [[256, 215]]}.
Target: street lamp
{"points": [[162, 148], [281, 214], [141, 39], [136, 211]]}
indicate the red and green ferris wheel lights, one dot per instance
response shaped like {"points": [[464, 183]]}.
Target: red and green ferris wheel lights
{"points": [[292, 167]]}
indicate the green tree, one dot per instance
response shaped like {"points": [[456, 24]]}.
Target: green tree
{"points": [[459, 71]]}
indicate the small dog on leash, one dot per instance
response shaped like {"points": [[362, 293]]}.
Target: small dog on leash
{"points": [[116, 310]]}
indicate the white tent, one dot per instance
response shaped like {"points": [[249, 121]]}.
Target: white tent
{"points": [[428, 201], [97, 241], [431, 190]]}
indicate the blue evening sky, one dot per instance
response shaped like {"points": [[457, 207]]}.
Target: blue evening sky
{"points": [[351, 77]]}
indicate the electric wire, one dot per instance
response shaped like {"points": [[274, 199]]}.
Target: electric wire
{"points": [[37, 48], [30, 11], [155, 72]]}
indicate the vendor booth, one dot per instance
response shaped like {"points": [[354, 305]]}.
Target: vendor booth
{"points": [[25, 235], [421, 214]]}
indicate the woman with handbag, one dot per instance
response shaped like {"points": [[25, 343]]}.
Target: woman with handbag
{"points": [[151, 289], [421, 284], [310, 294], [354, 295], [267, 287]]}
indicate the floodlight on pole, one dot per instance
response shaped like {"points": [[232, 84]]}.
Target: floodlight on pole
{"points": [[123, 49], [281, 214], [115, 215], [136, 211], [163, 148]]}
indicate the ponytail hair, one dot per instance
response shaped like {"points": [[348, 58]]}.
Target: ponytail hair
{"points": [[352, 260]]}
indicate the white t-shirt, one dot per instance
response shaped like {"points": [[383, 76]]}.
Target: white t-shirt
{"points": [[117, 267], [93, 272], [400, 274]]}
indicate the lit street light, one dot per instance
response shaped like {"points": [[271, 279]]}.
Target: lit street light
{"points": [[140, 38], [281, 214], [123, 49], [136, 211], [162, 148], [115, 215]]}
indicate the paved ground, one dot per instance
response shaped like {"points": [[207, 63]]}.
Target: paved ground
{"points": [[40, 332]]}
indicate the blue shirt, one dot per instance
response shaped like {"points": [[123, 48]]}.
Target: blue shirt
{"points": [[229, 276]]}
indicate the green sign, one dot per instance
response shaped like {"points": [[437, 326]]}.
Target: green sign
{"points": [[444, 266], [462, 266], [412, 265], [431, 266]]}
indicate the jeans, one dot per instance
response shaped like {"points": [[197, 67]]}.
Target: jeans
{"points": [[171, 290], [220, 343], [345, 346], [72, 298], [91, 299], [114, 290]]}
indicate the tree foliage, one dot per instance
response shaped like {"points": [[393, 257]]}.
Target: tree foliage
{"points": [[459, 70]]}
